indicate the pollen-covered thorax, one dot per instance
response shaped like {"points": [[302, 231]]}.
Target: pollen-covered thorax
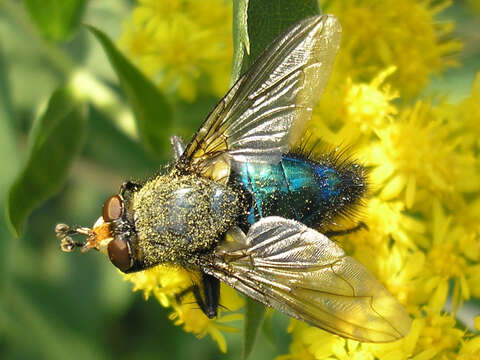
{"points": [[178, 218]]}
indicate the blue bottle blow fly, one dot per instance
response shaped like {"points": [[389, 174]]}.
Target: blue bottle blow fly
{"points": [[240, 206]]}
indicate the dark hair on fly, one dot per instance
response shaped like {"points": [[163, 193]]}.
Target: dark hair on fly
{"points": [[339, 158]]}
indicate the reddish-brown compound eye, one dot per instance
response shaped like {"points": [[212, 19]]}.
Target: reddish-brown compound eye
{"points": [[119, 254], [112, 209]]}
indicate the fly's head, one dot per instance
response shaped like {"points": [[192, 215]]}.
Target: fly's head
{"points": [[113, 234]]}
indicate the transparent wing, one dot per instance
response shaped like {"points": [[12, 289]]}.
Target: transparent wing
{"points": [[267, 108], [298, 271]]}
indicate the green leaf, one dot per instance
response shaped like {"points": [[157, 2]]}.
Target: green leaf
{"points": [[256, 23], [241, 43], [50, 337], [268, 19], [9, 164], [153, 114], [254, 315], [56, 20], [55, 140], [268, 329]]}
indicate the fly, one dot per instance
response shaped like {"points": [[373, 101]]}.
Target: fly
{"points": [[241, 206]]}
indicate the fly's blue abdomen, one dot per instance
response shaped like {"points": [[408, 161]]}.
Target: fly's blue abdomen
{"points": [[301, 189]]}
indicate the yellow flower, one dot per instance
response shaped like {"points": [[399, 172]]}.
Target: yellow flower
{"points": [[438, 335], [473, 279], [415, 152], [386, 219], [167, 282], [470, 349], [377, 34], [399, 350], [449, 256], [433, 336], [313, 343], [355, 110], [464, 117], [195, 321], [184, 46], [423, 229], [368, 105]]}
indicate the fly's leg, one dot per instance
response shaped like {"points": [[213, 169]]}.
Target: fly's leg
{"points": [[178, 146], [207, 299], [333, 233], [179, 297], [211, 290]]}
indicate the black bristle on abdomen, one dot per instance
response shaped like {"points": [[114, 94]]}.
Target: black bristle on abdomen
{"points": [[308, 185], [353, 174], [353, 177]]}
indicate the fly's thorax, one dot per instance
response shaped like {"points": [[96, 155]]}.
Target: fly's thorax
{"points": [[181, 217]]}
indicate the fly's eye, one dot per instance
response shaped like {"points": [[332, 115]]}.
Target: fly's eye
{"points": [[119, 254], [112, 209]]}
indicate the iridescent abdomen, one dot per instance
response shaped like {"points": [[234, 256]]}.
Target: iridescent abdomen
{"points": [[297, 188]]}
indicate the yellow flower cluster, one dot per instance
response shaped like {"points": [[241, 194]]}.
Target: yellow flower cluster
{"points": [[423, 212], [378, 34], [166, 283], [185, 46]]}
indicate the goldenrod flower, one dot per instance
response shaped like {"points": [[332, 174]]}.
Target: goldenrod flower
{"points": [[438, 334], [406, 163], [378, 34], [388, 219], [423, 223], [473, 279], [178, 43], [451, 253], [195, 321], [370, 106], [463, 118], [433, 336], [312, 343], [469, 349], [367, 106], [167, 282]]}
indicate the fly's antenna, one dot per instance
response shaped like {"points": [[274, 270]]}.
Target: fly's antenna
{"points": [[67, 244]]}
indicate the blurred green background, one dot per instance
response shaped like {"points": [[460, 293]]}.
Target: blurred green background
{"points": [[58, 306]]}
